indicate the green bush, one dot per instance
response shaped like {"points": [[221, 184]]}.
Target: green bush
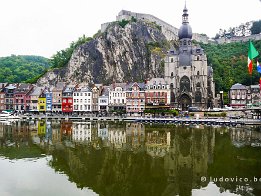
{"points": [[123, 23]]}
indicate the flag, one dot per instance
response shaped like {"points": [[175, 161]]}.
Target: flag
{"points": [[252, 53], [260, 83], [258, 67]]}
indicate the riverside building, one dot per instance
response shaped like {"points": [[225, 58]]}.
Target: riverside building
{"points": [[187, 73]]}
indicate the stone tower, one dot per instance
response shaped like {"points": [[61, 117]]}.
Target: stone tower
{"points": [[186, 70]]}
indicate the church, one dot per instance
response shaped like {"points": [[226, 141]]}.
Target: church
{"points": [[187, 73]]}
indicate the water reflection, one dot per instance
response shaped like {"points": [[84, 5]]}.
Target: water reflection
{"points": [[138, 159]]}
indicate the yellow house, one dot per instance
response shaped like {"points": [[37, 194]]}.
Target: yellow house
{"points": [[42, 102]]}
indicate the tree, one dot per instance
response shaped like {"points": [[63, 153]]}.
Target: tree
{"points": [[256, 27]]}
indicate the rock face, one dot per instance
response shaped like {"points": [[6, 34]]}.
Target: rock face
{"points": [[130, 53]]}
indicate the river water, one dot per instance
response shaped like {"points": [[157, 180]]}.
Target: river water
{"points": [[46, 158]]}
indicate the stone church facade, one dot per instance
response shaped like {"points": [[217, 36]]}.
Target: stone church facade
{"points": [[187, 73]]}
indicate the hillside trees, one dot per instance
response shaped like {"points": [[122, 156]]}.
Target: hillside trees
{"points": [[21, 68], [229, 62], [62, 57], [256, 27]]}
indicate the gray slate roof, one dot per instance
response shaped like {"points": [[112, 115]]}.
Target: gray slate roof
{"points": [[238, 86]]}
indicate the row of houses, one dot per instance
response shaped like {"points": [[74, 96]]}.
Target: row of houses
{"points": [[131, 98], [241, 96]]}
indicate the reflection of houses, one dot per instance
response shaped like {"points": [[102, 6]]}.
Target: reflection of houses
{"points": [[49, 133], [56, 132], [82, 132], [117, 136], [157, 143], [187, 160], [103, 133], [66, 129], [41, 128], [241, 137], [135, 135], [103, 130]]}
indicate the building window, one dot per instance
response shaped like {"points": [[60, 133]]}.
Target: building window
{"points": [[198, 97], [184, 84], [171, 86], [171, 60], [172, 74], [198, 73]]}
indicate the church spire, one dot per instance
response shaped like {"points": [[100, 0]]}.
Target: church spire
{"points": [[185, 14]]}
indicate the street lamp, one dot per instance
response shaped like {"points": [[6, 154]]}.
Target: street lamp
{"points": [[221, 99]]}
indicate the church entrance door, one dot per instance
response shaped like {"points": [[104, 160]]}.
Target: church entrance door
{"points": [[185, 102]]}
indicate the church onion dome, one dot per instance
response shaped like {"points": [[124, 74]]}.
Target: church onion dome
{"points": [[185, 31]]}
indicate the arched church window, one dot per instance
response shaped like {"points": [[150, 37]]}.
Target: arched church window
{"points": [[198, 97], [172, 74], [184, 42], [189, 42], [198, 85], [197, 58], [198, 73], [171, 86], [184, 84]]}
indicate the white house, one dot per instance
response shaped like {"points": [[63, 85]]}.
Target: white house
{"points": [[82, 99], [117, 96], [103, 100]]}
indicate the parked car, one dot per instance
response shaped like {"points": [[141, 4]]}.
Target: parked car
{"points": [[193, 109]]}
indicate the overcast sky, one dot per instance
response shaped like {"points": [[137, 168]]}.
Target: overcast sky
{"points": [[42, 27]]}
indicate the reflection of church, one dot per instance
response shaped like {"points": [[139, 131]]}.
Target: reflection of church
{"points": [[186, 70], [190, 153]]}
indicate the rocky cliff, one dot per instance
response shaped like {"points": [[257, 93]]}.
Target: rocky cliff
{"points": [[124, 52]]}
